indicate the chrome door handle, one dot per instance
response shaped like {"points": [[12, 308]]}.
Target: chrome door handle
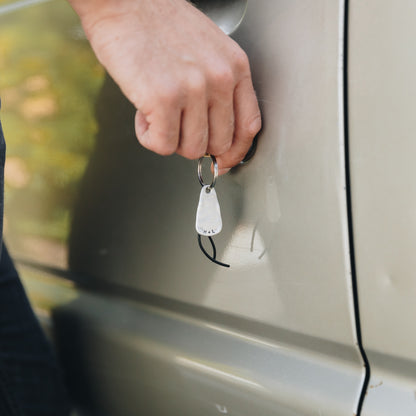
{"points": [[227, 14]]}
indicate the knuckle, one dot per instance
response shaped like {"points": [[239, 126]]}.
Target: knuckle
{"points": [[163, 149], [167, 151], [219, 148], [191, 153], [254, 124], [223, 78], [164, 144], [195, 149], [167, 94], [196, 83], [241, 60]]}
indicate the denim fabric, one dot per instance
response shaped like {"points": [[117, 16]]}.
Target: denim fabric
{"points": [[30, 380]]}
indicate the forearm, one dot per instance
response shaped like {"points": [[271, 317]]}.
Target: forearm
{"points": [[91, 8], [91, 11]]}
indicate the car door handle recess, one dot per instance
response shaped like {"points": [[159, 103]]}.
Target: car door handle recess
{"points": [[227, 14]]}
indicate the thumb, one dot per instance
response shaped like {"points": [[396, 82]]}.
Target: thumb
{"points": [[141, 125]]}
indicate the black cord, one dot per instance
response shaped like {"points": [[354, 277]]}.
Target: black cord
{"points": [[214, 251]]}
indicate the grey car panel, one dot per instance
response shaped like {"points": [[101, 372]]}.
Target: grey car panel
{"points": [[291, 197], [382, 123], [152, 325]]}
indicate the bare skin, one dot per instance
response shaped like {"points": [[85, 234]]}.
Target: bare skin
{"points": [[190, 83]]}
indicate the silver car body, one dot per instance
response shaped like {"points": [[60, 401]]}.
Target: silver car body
{"points": [[319, 229]]}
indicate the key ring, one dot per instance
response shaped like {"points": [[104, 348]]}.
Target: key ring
{"points": [[214, 179], [208, 215]]}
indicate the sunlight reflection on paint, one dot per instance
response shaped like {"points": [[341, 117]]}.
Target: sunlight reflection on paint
{"points": [[245, 337], [215, 372]]}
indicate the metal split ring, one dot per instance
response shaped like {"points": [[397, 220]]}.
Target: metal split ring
{"points": [[214, 179]]}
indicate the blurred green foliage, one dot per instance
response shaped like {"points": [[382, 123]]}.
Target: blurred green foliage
{"points": [[49, 81]]}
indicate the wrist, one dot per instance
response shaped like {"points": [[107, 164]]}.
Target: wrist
{"points": [[91, 11]]}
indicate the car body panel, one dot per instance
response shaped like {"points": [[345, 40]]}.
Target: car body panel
{"points": [[129, 355], [148, 323], [290, 199], [382, 65]]}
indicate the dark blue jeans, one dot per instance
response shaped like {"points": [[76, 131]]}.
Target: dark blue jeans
{"points": [[30, 380]]}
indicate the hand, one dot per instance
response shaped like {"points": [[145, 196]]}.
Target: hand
{"points": [[190, 83]]}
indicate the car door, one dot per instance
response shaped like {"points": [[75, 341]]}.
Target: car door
{"points": [[382, 138], [103, 230]]}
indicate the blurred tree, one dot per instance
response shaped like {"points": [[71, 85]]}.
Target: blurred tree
{"points": [[49, 80]]}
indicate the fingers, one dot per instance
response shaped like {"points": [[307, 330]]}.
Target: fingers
{"points": [[247, 125], [202, 112], [194, 131], [221, 109], [192, 87], [179, 123], [222, 130], [221, 127], [207, 123], [141, 125], [159, 131]]}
